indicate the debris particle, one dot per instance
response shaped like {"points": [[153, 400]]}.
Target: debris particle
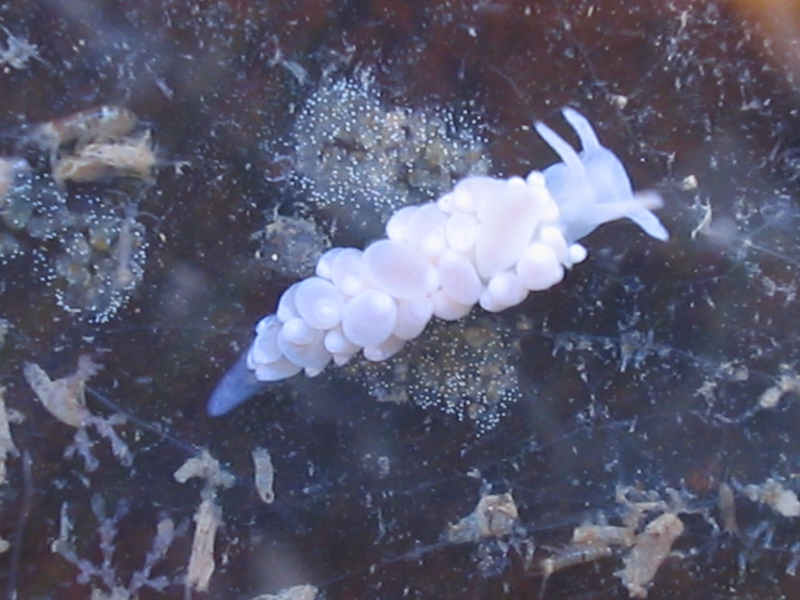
{"points": [[265, 474], [788, 383], [102, 576], [201, 562], [619, 100], [297, 592], [129, 156], [572, 556], [493, 517], [205, 467], [727, 508], [607, 535], [290, 246], [704, 225], [4, 327], [18, 51], [125, 246], [95, 124], [8, 166], [207, 518], [651, 548], [165, 534], [689, 183], [293, 67], [637, 509], [791, 568], [773, 494], [633, 345], [384, 465], [592, 542], [65, 399], [7, 446]]}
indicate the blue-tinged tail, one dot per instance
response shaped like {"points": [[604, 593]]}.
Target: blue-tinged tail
{"points": [[236, 386]]}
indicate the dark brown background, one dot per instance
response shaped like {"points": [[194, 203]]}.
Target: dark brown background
{"points": [[711, 91]]}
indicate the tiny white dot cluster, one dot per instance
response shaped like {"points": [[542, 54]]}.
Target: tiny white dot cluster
{"points": [[489, 241], [360, 157], [92, 259], [467, 369]]}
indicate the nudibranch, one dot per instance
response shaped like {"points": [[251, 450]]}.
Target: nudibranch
{"points": [[488, 241]]}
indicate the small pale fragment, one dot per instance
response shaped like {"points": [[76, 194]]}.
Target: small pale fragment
{"points": [[494, 516], [18, 51], [636, 510], [689, 183], [205, 466], [130, 156], [264, 474], [116, 593], [727, 508], [603, 535], [571, 556], [704, 225], [64, 398], [297, 592], [125, 245], [773, 494], [7, 446], [619, 101], [207, 518], [201, 562], [791, 568], [590, 543], [651, 548], [6, 174], [95, 124], [787, 383]]}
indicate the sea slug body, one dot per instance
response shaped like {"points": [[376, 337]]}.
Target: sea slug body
{"points": [[488, 241]]}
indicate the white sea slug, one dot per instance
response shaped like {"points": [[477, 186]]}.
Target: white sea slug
{"points": [[488, 241]]}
